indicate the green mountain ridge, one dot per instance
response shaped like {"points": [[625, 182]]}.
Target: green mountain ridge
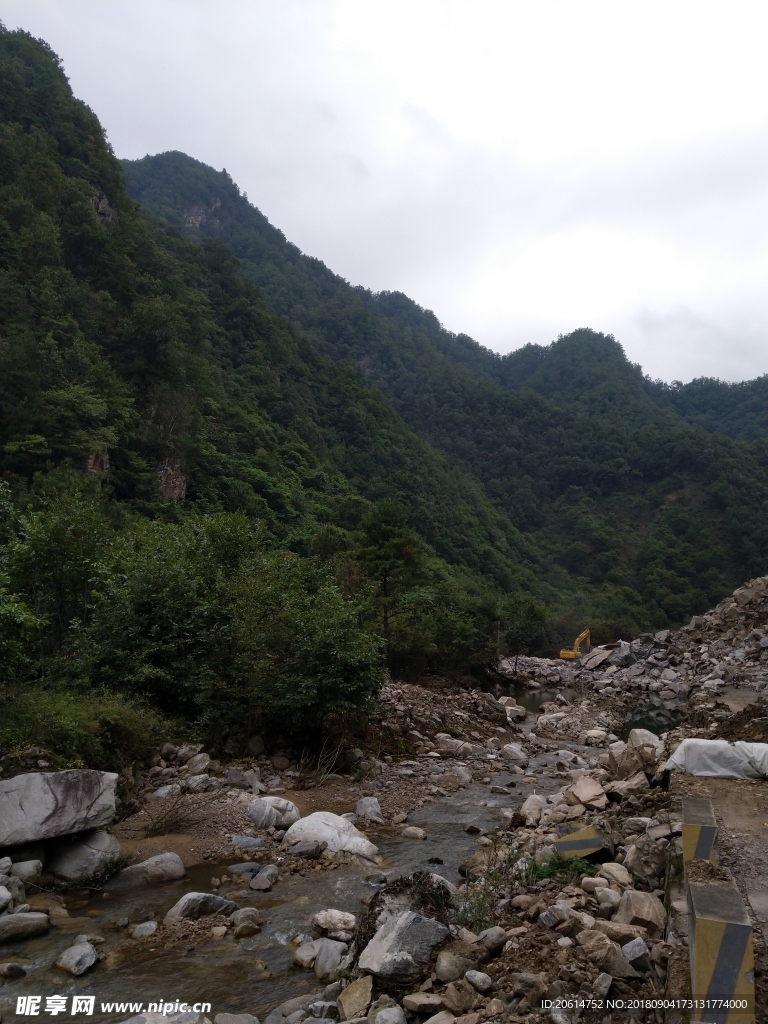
{"points": [[608, 473], [233, 488]]}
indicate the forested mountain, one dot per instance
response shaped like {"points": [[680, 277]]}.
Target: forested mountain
{"points": [[591, 460], [234, 487]]}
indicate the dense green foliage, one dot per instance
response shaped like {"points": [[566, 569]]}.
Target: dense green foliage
{"points": [[639, 502], [235, 487]]}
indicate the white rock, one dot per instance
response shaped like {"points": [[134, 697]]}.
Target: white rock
{"points": [[83, 856], [480, 981], [402, 946], [368, 807], [5, 898], [334, 921], [328, 957], [616, 873], [587, 791], [413, 832], [514, 752], [644, 737], [337, 832], [198, 783], [44, 805], [144, 930], [198, 764], [163, 867], [272, 812], [531, 808], [77, 959], [166, 792], [27, 870]]}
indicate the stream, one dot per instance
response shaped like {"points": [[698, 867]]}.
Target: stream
{"points": [[227, 973]]}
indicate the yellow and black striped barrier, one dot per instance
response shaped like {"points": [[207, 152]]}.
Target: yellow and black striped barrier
{"points": [[579, 844], [699, 829], [721, 952]]}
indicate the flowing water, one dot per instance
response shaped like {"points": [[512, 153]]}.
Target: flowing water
{"points": [[229, 974]]}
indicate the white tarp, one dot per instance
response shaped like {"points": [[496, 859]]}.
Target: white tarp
{"points": [[722, 759]]}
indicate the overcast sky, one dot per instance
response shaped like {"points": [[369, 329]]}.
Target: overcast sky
{"points": [[522, 169]]}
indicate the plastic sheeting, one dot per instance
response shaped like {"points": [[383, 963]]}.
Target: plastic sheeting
{"points": [[724, 760]]}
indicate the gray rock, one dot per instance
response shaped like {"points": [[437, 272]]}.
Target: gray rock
{"points": [[24, 908], [77, 959], [236, 779], [328, 957], [304, 955], [266, 878], [402, 947], [12, 970], [27, 870], [310, 851], [450, 967], [5, 865], [144, 930], [247, 842], [389, 1015], [634, 951], [72, 859], [188, 750], [602, 984], [493, 938], [514, 753], [368, 807], [248, 868], [198, 764], [163, 867], [480, 981], [5, 898], [200, 783], [235, 1018], [199, 904], [166, 792], [45, 805], [272, 812], [14, 927]]}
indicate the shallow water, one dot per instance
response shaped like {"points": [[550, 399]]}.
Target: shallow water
{"points": [[226, 973]]}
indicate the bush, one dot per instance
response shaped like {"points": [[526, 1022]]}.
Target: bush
{"points": [[96, 730]]}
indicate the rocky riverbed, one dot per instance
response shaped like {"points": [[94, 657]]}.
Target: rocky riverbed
{"points": [[429, 877]]}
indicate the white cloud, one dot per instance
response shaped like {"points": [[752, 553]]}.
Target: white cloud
{"points": [[522, 169]]}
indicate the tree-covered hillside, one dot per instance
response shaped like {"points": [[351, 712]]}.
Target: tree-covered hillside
{"points": [[637, 490], [184, 472], [235, 488]]}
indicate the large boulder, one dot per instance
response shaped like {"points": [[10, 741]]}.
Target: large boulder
{"points": [[403, 947], [272, 812], [77, 959], [587, 791], [82, 856], [531, 809], [199, 904], [605, 954], [338, 833], [355, 998], [458, 748], [514, 752], [643, 909], [14, 927], [44, 805], [164, 867]]}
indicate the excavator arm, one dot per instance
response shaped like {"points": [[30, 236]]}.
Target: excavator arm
{"points": [[567, 652]]}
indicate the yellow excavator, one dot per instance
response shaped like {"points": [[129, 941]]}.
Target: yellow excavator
{"points": [[582, 638]]}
